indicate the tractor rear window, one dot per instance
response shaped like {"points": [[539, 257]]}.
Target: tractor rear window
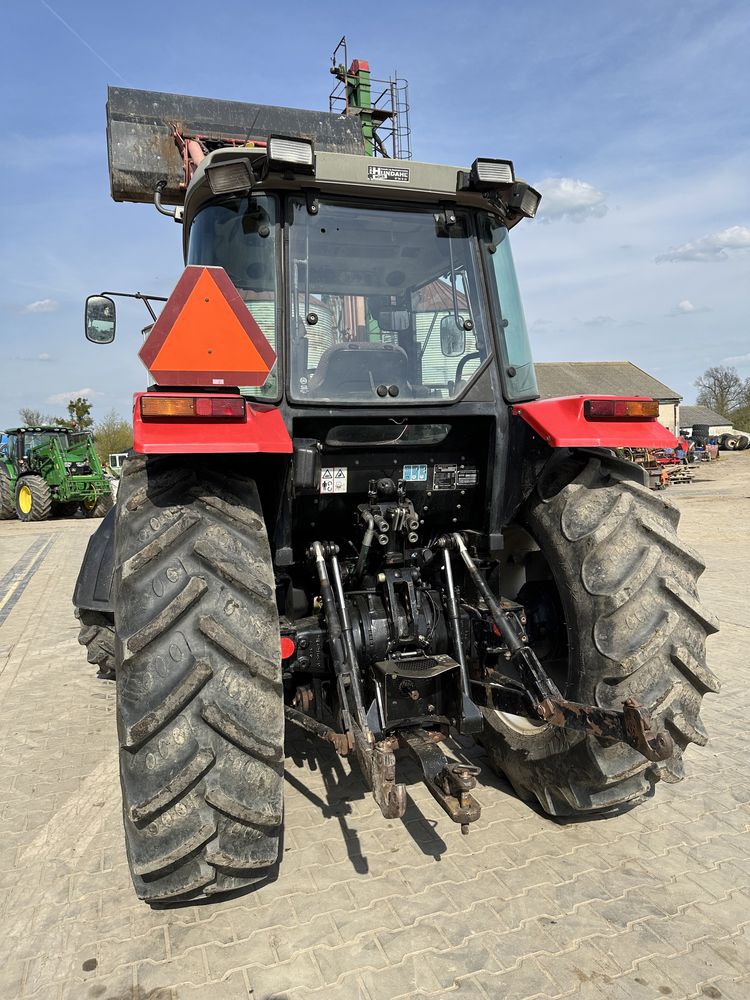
{"points": [[240, 235], [385, 304], [390, 434]]}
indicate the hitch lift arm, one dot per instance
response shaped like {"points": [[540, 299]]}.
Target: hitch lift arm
{"points": [[542, 697]]}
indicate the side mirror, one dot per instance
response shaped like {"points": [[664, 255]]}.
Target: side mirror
{"points": [[100, 319], [452, 336]]}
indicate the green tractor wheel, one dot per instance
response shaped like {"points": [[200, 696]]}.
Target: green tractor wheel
{"points": [[7, 507], [33, 499], [98, 507]]}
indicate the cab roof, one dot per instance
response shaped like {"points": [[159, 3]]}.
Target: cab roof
{"points": [[48, 428]]}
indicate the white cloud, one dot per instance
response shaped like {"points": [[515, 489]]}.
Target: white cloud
{"points": [[65, 397], [709, 249], [567, 198], [41, 306], [26, 357], [686, 308], [737, 359], [599, 321]]}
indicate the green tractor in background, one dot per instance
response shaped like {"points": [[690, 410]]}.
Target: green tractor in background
{"points": [[46, 469]]}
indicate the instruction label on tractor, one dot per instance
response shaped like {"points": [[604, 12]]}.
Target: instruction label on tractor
{"points": [[389, 174], [333, 479], [415, 474], [466, 476]]}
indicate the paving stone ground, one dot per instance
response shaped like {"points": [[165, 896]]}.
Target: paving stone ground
{"points": [[654, 903]]}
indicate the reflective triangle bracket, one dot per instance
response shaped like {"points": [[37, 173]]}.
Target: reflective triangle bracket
{"points": [[206, 335]]}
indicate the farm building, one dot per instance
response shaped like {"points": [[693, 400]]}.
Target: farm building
{"points": [[701, 416]]}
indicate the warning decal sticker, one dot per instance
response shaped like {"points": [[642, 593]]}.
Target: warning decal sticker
{"points": [[415, 474], [333, 479]]}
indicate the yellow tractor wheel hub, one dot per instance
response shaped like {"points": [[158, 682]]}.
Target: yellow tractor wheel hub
{"points": [[25, 500]]}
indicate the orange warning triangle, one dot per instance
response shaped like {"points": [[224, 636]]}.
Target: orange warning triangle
{"points": [[206, 335]]}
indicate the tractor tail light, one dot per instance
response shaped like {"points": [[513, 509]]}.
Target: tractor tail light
{"points": [[288, 646], [218, 406], [621, 409], [202, 407]]}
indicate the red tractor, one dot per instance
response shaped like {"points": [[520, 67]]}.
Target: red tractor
{"points": [[349, 512]]}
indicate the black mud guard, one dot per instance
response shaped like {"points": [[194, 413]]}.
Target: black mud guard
{"points": [[93, 589], [562, 465]]}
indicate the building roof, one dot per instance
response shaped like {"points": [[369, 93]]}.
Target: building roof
{"points": [[690, 415], [615, 378]]}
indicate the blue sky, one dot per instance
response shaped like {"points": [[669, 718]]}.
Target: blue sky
{"points": [[631, 117]]}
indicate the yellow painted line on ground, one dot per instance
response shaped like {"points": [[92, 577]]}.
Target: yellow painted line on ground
{"points": [[21, 574]]}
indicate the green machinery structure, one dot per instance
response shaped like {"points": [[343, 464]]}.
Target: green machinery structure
{"points": [[380, 106], [50, 469]]}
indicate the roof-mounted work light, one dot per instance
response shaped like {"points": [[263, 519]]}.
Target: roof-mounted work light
{"points": [[287, 153], [524, 200], [489, 175], [230, 175]]}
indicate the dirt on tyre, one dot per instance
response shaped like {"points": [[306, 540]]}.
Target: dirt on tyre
{"points": [[33, 499], [199, 695], [7, 500], [627, 589], [97, 634]]}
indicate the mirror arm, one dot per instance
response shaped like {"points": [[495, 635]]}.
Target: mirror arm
{"points": [[147, 304]]}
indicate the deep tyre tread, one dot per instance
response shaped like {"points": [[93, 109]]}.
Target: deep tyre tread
{"points": [[199, 695], [636, 629], [41, 499], [7, 504], [97, 634]]}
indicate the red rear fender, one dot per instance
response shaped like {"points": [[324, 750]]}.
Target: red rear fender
{"points": [[562, 423], [259, 430]]}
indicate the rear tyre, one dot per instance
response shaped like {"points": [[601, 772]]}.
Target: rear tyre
{"points": [[635, 629], [7, 504], [97, 634], [98, 508], [33, 499], [729, 442], [199, 695]]}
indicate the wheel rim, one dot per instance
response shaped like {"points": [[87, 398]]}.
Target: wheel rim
{"points": [[522, 724], [25, 500], [89, 504]]}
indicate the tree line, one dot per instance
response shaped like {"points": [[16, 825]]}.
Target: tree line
{"points": [[111, 434], [723, 390]]}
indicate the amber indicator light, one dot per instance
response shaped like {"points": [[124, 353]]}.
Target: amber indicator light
{"points": [[621, 409], [211, 407]]}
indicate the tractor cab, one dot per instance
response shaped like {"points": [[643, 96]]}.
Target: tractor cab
{"points": [[22, 440], [379, 300]]}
